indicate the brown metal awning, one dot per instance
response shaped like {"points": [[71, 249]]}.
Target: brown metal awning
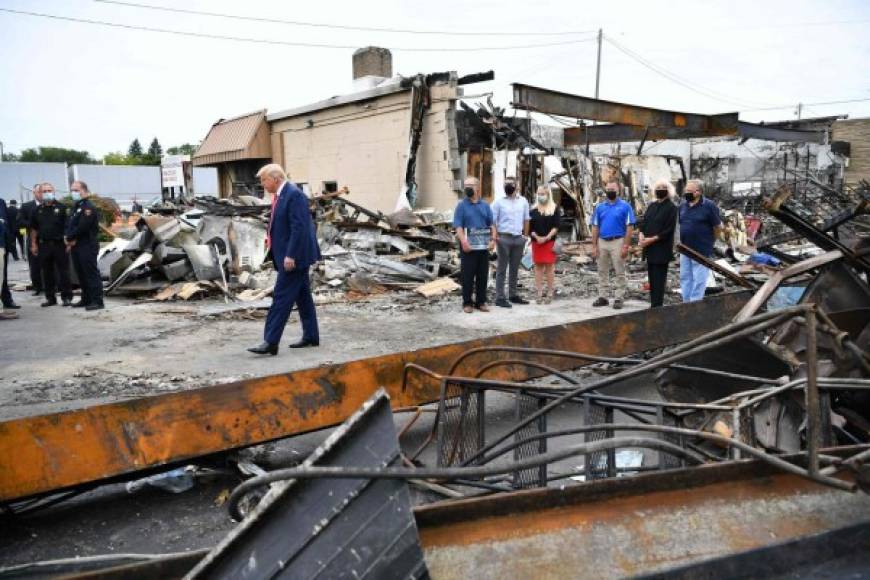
{"points": [[244, 137]]}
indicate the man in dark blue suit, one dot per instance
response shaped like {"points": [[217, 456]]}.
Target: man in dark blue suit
{"points": [[293, 244]]}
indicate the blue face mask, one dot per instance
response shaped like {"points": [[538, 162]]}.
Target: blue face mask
{"points": [[48, 196], [76, 195]]}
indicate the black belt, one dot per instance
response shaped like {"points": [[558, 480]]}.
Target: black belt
{"points": [[613, 238], [53, 240]]}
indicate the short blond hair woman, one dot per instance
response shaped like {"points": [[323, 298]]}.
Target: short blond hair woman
{"points": [[544, 225]]}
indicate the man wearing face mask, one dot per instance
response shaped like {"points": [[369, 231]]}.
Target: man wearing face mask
{"points": [[511, 217], [700, 225], [657, 241], [477, 236], [612, 225], [25, 218], [46, 242], [81, 243]]}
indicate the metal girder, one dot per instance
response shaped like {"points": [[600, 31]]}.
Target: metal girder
{"points": [[62, 450], [705, 261], [579, 107], [626, 527], [619, 133]]}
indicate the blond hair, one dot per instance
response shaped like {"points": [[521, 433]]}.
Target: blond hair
{"points": [[548, 208], [272, 170]]}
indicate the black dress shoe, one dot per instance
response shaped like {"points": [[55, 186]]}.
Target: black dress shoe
{"points": [[49, 303], [518, 300], [79, 304], [66, 302], [11, 306], [303, 343], [94, 306], [503, 303], [264, 348]]}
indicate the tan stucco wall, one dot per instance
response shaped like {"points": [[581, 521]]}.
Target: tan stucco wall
{"points": [[364, 146], [857, 133]]}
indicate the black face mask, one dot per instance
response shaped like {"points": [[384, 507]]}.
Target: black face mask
{"points": [[611, 195], [509, 188], [469, 191], [661, 193], [690, 197]]}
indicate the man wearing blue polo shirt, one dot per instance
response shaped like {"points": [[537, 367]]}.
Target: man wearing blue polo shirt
{"points": [[700, 225], [612, 224], [475, 230]]}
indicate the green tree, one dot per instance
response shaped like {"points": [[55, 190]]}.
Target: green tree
{"points": [[10, 157], [118, 158], [155, 152], [56, 155], [135, 149], [186, 149]]}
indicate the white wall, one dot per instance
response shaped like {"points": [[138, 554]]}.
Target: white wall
{"points": [[119, 181], [16, 179], [205, 181]]}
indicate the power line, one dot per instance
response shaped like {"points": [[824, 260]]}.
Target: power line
{"points": [[818, 104], [338, 26], [674, 78], [280, 42]]}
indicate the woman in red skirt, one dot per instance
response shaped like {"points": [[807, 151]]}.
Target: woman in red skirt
{"points": [[544, 226]]}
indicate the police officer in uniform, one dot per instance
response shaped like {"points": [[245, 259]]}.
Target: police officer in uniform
{"points": [[46, 242], [81, 242]]}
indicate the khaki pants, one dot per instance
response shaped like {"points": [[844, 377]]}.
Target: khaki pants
{"points": [[610, 255]]}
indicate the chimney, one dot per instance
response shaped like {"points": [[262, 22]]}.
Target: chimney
{"points": [[372, 61]]}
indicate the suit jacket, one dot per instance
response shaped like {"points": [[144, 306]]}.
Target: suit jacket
{"points": [[292, 232], [660, 220], [26, 213], [4, 224]]}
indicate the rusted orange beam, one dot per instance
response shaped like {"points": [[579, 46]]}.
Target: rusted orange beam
{"points": [[630, 526], [51, 452]]}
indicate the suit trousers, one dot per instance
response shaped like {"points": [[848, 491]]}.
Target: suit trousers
{"points": [[5, 294], [33, 262], [291, 288], [474, 274], [610, 255], [658, 281], [510, 254], [52, 256], [84, 259]]}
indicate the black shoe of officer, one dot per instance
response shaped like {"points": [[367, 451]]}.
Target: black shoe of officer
{"points": [[94, 306], [66, 302], [49, 302], [79, 304], [264, 348]]}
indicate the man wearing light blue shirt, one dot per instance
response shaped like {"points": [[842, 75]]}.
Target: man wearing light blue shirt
{"points": [[511, 217]]}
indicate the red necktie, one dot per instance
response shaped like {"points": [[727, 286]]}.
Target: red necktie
{"points": [[271, 217]]}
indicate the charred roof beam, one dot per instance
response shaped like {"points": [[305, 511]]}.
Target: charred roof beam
{"points": [[536, 99]]}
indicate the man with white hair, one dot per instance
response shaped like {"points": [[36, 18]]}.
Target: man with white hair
{"points": [[293, 245], [700, 225]]}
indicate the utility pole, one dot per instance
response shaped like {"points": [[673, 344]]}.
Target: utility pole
{"points": [[598, 66], [1, 152], [799, 110]]}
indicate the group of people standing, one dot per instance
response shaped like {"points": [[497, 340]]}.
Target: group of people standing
{"points": [[55, 236], [507, 225], [510, 223]]}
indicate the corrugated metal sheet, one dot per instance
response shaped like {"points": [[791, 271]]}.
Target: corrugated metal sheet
{"points": [[205, 181], [233, 139], [120, 181]]}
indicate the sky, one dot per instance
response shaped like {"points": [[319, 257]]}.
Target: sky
{"points": [[96, 88]]}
